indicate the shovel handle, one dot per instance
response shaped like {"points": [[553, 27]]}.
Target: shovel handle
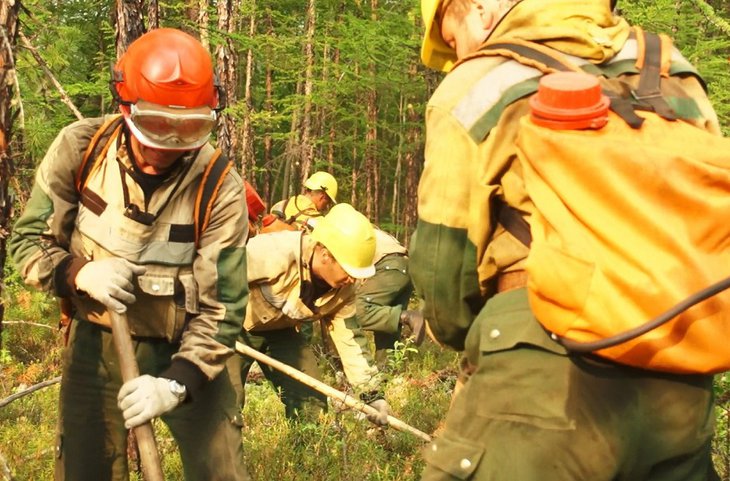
{"points": [[327, 390], [149, 456]]}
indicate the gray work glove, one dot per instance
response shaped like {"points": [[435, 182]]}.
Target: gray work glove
{"points": [[383, 408], [146, 397], [109, 281], [414, 320]]}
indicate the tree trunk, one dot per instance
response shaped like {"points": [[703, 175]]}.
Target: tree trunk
{"points": [[8, 83], [202, 23], [226, 60], [306, 138], [332, 130], [247, 143], [268, 190], [293, 153], [153, 14], [129, 23], [413, 161], [372, 186], [395, 216]]}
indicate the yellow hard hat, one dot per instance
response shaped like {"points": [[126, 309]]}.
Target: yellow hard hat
{"points": [[350, 237], [323, 181], [434, 51]]}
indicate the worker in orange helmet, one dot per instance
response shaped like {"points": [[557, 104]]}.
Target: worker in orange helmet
{"points": [[111, 226]]}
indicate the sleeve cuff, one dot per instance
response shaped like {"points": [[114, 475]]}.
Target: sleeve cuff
{"points": [[187, 374], [64, 275]]}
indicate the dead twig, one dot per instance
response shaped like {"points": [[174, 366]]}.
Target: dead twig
{"points": [[25, 392]]}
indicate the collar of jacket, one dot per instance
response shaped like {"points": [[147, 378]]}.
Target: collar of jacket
{"points": [[583, 28]]}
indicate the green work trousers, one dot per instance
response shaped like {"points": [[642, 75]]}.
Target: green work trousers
{"points": [[381, 299], [290, 347], [92, 440], [529, 412]]}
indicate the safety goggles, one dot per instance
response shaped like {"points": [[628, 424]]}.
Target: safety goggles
{"points": [[171, 128]]}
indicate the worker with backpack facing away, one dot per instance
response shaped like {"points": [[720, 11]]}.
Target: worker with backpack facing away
{"points": [[531, 408], [124, 217]]}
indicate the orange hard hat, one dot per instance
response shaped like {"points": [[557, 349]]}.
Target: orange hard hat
{"points": [[166, 67]]}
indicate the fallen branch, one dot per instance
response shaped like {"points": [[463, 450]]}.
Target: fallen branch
{"points": [[327, 390], [25, 392], [64, 96], [36, 324]]}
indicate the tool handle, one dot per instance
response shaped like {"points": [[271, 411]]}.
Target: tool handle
{"points": [[327, 390], [149, 456]]}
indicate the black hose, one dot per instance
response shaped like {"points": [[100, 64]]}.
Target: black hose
{"points": [[583, 347]]}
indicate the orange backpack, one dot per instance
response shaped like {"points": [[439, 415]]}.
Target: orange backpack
{"points": [[630, 239]]}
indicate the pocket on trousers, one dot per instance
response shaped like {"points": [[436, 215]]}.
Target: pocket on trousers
{"points": [[457, 457], [522, 375]]}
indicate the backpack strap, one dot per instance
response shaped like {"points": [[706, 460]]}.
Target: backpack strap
{"points": [[532, 54], [293, 218], [108, 131], [549, 60], [512, 221], [213, 177], [653, 63]]}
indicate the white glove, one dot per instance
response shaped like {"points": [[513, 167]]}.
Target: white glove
{"points": [[109, 281], [381, 419], [145, 397]]}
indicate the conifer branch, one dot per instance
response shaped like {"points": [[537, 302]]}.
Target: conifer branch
{"points": [[709, 12]]}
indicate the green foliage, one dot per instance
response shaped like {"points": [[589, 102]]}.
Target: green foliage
{"points": [[274, 448], [399, 355]]}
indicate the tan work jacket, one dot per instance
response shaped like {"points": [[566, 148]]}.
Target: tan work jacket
{"points": [[279, 263], [192, 295], [386, 244]]}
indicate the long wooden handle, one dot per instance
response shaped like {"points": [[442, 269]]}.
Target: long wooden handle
{"points": [[327, 390], [150, 457]]}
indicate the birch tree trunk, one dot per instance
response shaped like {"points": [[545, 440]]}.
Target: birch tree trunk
{"points": [[8, 112]]}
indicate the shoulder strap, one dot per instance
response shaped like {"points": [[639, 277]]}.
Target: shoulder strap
{"points": [[532, 54], [653, 62], [107, 132], [215, 173], [300, 212], [512, 221]]}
